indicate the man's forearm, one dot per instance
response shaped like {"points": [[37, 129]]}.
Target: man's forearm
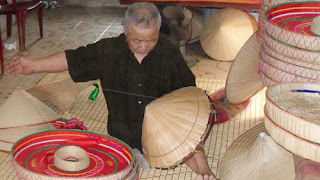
{"points": [[56, 62]]}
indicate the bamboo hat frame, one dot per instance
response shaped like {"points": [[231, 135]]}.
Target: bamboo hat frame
{"points": [[174, 126]]}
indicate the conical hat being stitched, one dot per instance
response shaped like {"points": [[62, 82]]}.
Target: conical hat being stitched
{"points": [[58, 89], [255, 156], [243, 80], [174, 125], [225, 32], [22, 109]]}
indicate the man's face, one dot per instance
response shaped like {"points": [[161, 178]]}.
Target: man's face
{"points": [[142, 41]]}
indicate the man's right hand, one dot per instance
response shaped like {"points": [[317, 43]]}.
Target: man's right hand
{"points": [[20, 65]]}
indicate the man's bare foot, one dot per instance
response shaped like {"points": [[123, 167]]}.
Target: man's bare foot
{"points": [[206, 177]]}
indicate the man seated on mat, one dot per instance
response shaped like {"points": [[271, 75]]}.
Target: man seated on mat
{"points": [[134, 69]]}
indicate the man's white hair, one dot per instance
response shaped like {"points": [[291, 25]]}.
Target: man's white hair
{"points": [[142, 15]]}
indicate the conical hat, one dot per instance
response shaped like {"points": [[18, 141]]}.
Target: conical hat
{"points": [[243, 79], [174, 125], [254, 155], [58, 89], [22, 109], [225, 32]]}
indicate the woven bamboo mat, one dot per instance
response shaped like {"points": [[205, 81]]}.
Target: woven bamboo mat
{"points": [[94, 115]]}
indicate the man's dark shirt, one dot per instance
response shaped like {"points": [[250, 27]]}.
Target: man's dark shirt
{"points": [[127, 85]]}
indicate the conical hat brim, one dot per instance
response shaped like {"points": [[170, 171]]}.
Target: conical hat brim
{"points": [[225, 32], [174, 125], [252, 156], [243, 80], [22, 109]]}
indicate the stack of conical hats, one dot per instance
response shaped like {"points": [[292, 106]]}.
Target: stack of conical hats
{"points": [[174, 126], [290, 42], [225, 32], [22, 114], [288, 54]]}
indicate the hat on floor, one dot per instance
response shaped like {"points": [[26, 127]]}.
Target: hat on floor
{"points": [[254, 155], [58, 89], [243, 80], [174, 125], [22, 109], [225, 32]]}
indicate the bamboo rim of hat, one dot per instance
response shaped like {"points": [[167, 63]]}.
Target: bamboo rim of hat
{"points": [[311, 57], [255, 155], [243, 79], [279, 75], [267, 81], [289, 37], [278, 99], [174, 126], [290, 68], [292, 143], [270, 52]]}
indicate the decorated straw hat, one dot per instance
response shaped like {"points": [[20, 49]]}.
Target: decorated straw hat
{"points": [[312, 57], [59, 90], [243, 80], [73, 154], [290, 23], [255, 156], [295, 107], [291, 142], [269, 3], [291, 68], [174, 126], [225, 32], [22, 109]]}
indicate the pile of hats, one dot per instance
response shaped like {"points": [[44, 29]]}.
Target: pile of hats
{"points": [[290, 52], [290, 43]]}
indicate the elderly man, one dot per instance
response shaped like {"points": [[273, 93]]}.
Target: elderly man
{"points": [[134, 69]]}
